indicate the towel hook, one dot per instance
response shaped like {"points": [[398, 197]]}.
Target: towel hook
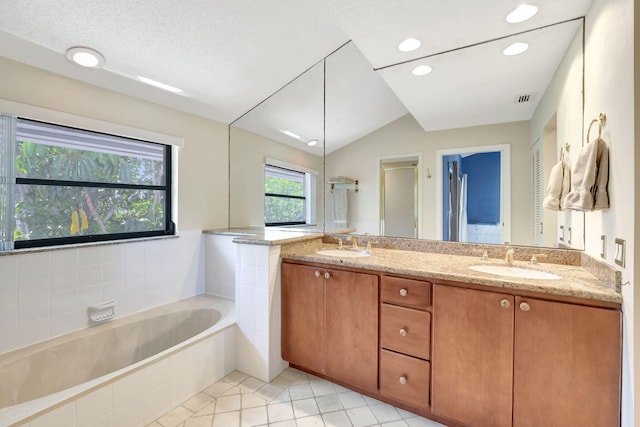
{"points": [[602, 122]]}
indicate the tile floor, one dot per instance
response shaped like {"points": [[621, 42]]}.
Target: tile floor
{"points": [[293, 399]]}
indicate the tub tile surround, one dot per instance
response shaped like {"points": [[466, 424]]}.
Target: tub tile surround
{"points": [[292, 399], [257, 296], [46, 293]]}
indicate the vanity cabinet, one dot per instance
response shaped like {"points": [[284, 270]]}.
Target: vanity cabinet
{"points": [[405, 340], [330, 323], [472, 356], [567, 360], [502, 360]]}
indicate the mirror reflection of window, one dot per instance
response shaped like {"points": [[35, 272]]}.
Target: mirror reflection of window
{"points": [[288, 196]]}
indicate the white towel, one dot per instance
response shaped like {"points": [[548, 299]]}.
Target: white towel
{"points": [[558, 187], [340, 208], [590, 178]]}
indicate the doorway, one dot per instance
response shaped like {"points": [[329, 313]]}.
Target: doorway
{"points": [[399, 195], [472, 194]]}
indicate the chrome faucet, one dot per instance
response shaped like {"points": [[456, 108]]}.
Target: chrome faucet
{"points": [[508, 257], [354, 242]]}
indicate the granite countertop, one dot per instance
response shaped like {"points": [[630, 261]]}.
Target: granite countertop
{"points": [[575, 281], [267, 236]]}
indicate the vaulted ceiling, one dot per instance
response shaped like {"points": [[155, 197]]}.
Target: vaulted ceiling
{"points": [[229, 55]]}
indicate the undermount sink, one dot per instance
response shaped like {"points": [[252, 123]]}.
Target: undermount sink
{"points": [[343, 253], [521, 273]]}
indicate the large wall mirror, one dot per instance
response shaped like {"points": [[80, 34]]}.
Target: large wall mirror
{"points": [[471, 143]]}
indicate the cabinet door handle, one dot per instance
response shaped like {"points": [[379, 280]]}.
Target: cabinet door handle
{"points": [[327, 275], [505, 303], [403, 292], [317, 273], [403, 380], [524, 306], [403, 332]]}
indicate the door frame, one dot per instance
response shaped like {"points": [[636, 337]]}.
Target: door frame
{"points": [[505, 184], [415, 157]]}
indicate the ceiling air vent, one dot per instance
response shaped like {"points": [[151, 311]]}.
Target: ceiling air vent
{"points": [[528, 97]]}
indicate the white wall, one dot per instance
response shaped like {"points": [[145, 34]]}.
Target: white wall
{"points": [[405, 136], [247, 154], [609, 79], [47, 293]]}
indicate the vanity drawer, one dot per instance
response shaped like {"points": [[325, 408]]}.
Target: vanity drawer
{"points": [[405, 330], [407, 292], [405, 378]]}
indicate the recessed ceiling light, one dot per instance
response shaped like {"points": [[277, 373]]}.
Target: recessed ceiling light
{"points": [[421, 70], [291, 134], [85, 56], [515, 49], [159, 84], [522, 13], [312, 142], [409, 45]]}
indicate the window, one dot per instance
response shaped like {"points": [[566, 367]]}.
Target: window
{"points": [[289, 196], [64, 185]]}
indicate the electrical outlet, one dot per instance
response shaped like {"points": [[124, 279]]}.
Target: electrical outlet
{"points": [[620, 252], [603, 246]]}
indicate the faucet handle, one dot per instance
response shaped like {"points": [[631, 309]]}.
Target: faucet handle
{"points": [[534, 257], [484, 256], [369, 243], [340, 246]]}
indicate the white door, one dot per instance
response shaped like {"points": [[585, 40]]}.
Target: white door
{"points": [[399, 193]]}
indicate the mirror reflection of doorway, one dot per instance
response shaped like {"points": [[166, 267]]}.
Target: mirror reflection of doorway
{"points": [[399, 198], [473, 198]]}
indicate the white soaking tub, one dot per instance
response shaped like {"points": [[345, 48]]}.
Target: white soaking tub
{"points": [[130, 370]]}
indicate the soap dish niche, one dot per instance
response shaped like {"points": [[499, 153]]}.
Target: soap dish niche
{"points": [[102, 312]]}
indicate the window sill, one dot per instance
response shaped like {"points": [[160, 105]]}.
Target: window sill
{"points": [[84, 245]]}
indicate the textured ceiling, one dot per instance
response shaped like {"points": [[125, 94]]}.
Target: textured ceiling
{"points": [[226, 55]]}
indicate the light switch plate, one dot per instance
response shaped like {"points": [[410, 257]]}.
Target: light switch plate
{"points": [[603, 246], [620, 252]]}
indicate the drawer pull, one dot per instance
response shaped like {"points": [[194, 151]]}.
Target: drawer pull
{"points": [[403, 380], [505, 303], [403, 292], [317, 274], [525, 306], [327, 276], [403, 332]]}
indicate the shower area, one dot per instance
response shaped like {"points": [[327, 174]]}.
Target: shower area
{"points": [[471, 198]]}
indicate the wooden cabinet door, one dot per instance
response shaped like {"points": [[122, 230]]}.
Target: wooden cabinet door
{"points": [[303, 316], [472, 365], [351, 320], [567, 365]]}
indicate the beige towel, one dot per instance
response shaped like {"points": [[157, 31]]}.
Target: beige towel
{"points": [[589, 179], [558, 187]]}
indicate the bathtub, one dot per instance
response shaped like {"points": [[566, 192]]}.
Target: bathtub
{"points": [[126, 372]]}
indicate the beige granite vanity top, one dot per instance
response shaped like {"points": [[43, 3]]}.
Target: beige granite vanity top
{"points": [[575, 281], [267, 236]]}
